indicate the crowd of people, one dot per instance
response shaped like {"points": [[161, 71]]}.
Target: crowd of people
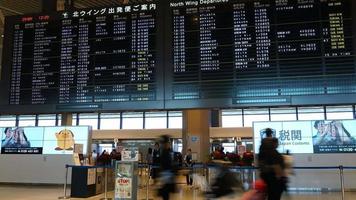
{"points": [[274, 168], [105, 158]]}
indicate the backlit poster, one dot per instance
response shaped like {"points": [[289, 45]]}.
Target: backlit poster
{"points": [[334, 136], [21, 140], [318, 136], [43, 140], [61, 140]]}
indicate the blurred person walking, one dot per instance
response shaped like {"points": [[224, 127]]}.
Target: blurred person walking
{"points": [[271, 166], [166, 169], [288, 170]]}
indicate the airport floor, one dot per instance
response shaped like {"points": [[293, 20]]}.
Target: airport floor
{"points": [[16, 192]]}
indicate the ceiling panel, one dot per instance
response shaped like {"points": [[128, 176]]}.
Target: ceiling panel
{"points": [[15, 7]]}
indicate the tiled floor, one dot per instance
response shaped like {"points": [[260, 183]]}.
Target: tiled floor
{"points": [[15, 192]]}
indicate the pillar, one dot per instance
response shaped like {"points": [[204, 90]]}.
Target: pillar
{"points": [[196, 136], [66, 119]]}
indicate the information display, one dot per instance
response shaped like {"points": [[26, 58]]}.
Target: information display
{"points": [[259, 48], [179, 54], [43, 140], [84, 56], [320, 136]]}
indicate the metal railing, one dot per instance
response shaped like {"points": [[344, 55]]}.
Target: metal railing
{"points": [[243, 170]]}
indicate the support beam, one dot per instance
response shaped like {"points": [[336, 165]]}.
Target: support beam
{"points": [[2, 19], [11, 10], [196, 133]]}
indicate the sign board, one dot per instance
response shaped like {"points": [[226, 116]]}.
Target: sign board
{"points": [[318, 136], [130, 154], [76, 159], [78, 148], [91, 179], [194, 138], [125, 180], [241, 149]]}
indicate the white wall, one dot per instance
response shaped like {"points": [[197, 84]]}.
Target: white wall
{"points": [[48, 169], [135, 134], [174, 133], [231, 132], [323, 178]]}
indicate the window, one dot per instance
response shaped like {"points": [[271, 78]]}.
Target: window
{"points": [[89, 119], [177, 145], [27, 120], [132, 120], [47, 120], [74, 119], [175, 119], [59, 119], [7, 120], [155, 120], [255, 115], [310, 113], [283, 114], [229, 147], [109, 121], [231, 118], [339, 112]]}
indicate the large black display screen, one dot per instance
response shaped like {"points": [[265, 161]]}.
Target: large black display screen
{"points": [[180, 54], [263, 49], [85, 56]]}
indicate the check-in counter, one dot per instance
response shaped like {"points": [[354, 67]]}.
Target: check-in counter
{"points": [[89, 181]]}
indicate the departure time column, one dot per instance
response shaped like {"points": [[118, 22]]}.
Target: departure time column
{"points": [[16, 66]]}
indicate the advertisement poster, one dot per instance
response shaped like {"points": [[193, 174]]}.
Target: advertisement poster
{"points": [[123, 188], [21, 140], [42, 140], [130, 154], [124, 170], [61, 139], [91, 179], [334, 136], [318, 136]]}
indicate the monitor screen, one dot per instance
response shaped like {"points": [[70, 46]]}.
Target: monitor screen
{"points": [[318, 136], [43, 140]]}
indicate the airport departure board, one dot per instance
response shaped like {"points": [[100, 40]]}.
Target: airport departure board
{"points": [[221, 48], [85, 56], [181, 54]]}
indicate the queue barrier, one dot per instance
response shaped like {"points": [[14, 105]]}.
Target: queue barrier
{"points": [[196, 166]]}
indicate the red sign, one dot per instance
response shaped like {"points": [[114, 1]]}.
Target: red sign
{"points": [[27, 19]]}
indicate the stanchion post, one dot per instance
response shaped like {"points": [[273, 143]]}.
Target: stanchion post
{"points": [[148, 183], [341, 168], [65, 185], [106, 185]]}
